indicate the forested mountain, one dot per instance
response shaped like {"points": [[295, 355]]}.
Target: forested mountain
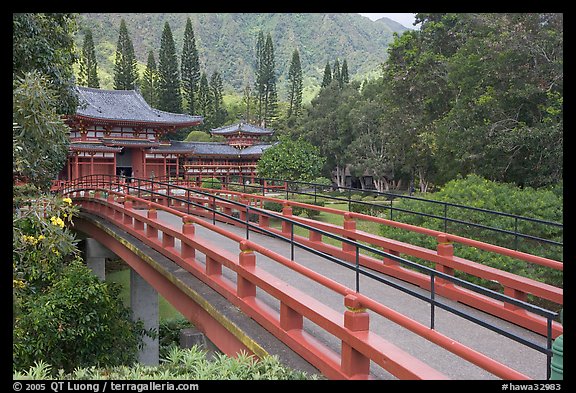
{"points": [[226, 42]]}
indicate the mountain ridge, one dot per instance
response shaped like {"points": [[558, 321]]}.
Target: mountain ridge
{"points": [[226, 41]]}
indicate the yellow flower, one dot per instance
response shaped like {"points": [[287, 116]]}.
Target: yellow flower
{"points": [[67, 200], [41, 237], [29, 239], [18, 283], [57, 221]]}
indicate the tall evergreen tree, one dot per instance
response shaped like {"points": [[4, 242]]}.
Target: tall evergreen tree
{"points": [[218, 115], [125, 71], [247, 100], [295, 85], [336, 76], [190, 68], [88, 75], [344, 73], [205, 102], [260, 76], [272, 96], [266, 80], [169, 98], [327, 75], [150, 81]]}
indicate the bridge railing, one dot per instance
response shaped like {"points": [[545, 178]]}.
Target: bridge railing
{"points": [[446, 211], [218, 207]]}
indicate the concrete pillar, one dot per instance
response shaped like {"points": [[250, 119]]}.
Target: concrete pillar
{"points": [[144, 303], [96, 255]]}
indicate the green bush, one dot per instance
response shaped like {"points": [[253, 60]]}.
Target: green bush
{"points": [[273, 206], [212, 183], [79, 321], [310, 213]]}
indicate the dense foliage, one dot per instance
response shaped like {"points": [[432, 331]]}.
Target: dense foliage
{"points": [[43, 42], [290, 160], [63, 314], [467, 93], [36, 121], [476, 192], [88, 65], [180, 364]]}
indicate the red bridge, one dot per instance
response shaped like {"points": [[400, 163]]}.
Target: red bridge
{"points": [[339, 300]]}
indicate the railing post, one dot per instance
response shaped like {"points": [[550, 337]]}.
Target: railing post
{"points": [[516, 294], [263, 221], [350, 225], [314, 236], [188, 230], [153, 215], [289, 318], [444, 249], [286, 226], [110, 210], [128, 204], [213, 267], [390, 261], [246, 259], [356, 319]]}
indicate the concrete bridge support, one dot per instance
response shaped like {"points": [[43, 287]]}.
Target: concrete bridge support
{"points": [[96, 255], [144, 303]]}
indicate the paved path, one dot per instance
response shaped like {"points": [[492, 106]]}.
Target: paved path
{"points": [[515, 355]]}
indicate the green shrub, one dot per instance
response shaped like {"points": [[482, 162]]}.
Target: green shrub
{"points": [[310, 213], [79, 321], [212, 183], [273, 206]]}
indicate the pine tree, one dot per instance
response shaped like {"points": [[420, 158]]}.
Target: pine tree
{"points": [[327, 75], [217, 92], [125, 71], [336, 76], [205, 104], [344, 73], [88, 75], [247, 100], [295, 85], [169, 98], [270, 96], [190, 68], [150, 80], [260, 76]]}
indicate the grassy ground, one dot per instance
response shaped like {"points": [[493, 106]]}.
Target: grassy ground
{"points": [[122, 277]]}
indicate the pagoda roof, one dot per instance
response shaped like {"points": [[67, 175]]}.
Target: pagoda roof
{"points": [[127, 106], [210, 149], [242, 127], [130, 142], [93, 147]]}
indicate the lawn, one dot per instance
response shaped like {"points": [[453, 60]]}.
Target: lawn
{"points": [[122, 277]]}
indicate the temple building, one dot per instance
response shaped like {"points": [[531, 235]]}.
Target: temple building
{"points": [[116, 132]]}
